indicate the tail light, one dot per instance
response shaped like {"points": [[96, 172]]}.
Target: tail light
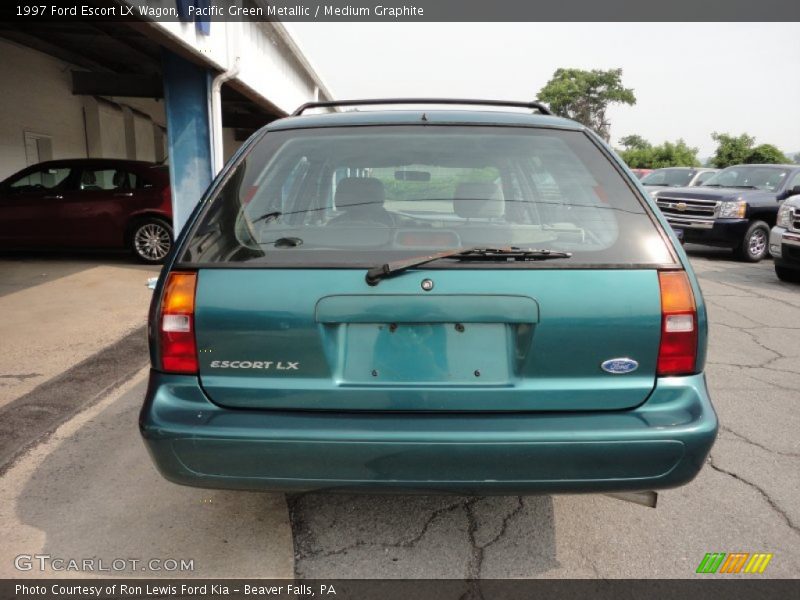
{"points": [[677, 353], [176, 324]]}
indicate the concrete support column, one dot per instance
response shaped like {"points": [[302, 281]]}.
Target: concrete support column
{"points": [[187, 102]]}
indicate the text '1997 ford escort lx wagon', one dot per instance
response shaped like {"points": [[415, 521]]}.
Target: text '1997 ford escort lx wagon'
{"points": [[467, 301]]}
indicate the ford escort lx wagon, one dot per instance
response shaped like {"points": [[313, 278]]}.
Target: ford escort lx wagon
{"points": [[433, 299]]}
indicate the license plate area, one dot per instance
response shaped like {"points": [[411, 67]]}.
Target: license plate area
{"points": [[426, 353]]}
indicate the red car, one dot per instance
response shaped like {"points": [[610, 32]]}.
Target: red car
{"points": [[640, 173], [89, 203]]}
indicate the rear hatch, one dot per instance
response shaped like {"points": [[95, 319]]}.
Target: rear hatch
{"points": [[485, 340], [284, 318]]}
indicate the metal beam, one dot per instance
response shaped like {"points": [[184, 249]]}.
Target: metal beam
{"points": [[89, 83]]}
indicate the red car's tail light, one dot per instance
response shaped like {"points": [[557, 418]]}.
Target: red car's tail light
{"points": [[176, 324], [677, 353]]}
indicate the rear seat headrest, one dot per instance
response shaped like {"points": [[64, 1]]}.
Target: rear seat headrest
{"points": [[359, 191], [478, 200]]}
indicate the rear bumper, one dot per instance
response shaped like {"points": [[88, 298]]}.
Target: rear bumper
{"points": [[724, 232], [662, 443]]}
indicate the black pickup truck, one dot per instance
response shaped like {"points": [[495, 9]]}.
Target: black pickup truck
{"points": [[734, 209]]}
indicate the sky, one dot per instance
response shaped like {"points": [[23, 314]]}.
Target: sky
{"points": [[690, 79]]}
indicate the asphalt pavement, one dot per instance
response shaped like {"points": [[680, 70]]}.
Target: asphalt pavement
{"points": [[88, 487]]}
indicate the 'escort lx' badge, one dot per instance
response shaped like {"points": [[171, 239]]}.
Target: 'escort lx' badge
{"points": [[255, 364]]}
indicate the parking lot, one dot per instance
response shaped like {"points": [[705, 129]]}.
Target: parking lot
{"points": [[88, 489]]}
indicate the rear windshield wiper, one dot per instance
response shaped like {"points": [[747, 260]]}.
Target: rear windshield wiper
{"points": [[511, 253]]}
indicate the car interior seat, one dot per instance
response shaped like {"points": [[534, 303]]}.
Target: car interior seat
{"points": [[360, 199], [121, 181], [89, 181], [478, 200]]}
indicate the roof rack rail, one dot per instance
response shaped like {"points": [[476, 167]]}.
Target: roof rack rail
{"points": [[332, 103]]}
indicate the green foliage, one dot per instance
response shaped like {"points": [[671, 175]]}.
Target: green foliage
{"points": [[738, 150], [797, 158], [634, 142], [766, 154], [584, 96], [640, 154], [731, 150]]}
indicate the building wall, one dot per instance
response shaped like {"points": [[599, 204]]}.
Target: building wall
{"points": [[145, 138], [229, 143], [112, 128], [37, 98]]}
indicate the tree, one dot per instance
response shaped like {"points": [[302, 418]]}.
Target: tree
{"points": [[740, 150], [766, 154], [797, 158], [634, 142], [584, 96], [640, 154], [731, 150], [675, 154]]}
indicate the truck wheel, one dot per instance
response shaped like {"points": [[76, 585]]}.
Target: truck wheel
{"points": [[755, 244], [785, 274]]}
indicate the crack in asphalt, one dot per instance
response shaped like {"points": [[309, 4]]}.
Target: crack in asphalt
{"points": [[777, 509], [779, 386], [753, 371], [20, 376], [506, 520], [304, 543], [475, 564], [786, 388], [305, 551], [759, 295], [757, 444], [756, 341], [758, 367]]}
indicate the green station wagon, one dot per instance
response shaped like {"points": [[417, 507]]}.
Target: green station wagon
{"points": [[428, 300]]}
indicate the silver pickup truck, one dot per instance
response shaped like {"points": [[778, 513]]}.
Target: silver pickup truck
{"points": [[784, 241]]}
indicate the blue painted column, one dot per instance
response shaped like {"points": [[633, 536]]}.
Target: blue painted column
{"points": [[187, 94]]}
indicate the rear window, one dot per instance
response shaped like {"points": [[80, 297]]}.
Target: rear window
{"points": [[669, 177], [358, 196], [750, 177]]}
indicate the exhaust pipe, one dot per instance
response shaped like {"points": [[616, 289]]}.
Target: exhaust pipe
{"points": [[649, 499]]}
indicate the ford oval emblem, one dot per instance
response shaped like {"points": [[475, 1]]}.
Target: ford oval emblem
{"points": [[619, 366]]}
